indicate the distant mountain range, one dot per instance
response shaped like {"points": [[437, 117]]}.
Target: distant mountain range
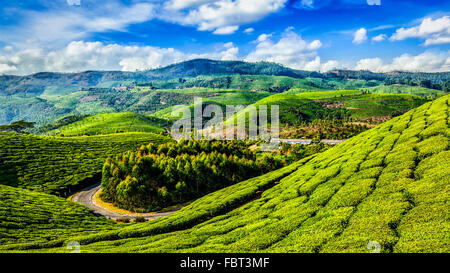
{"points": [[36, 83]]}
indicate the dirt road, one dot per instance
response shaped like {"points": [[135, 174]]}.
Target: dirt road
{"points": [[86, 197]]}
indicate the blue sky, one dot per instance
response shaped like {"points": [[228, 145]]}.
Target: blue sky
{"points": [[129, 35]]}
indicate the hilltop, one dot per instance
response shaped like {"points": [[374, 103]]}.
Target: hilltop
{"points": [[111, 123]]}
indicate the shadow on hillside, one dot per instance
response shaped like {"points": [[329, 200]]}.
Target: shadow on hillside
{"points": [[8, 174], [85, 183]]}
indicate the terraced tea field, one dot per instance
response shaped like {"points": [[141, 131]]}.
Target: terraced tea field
{"points": [[389, 184], [58, 165], [111, 123], [32, 216]]}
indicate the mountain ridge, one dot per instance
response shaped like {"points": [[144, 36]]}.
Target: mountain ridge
{"points": [[35, 83]]}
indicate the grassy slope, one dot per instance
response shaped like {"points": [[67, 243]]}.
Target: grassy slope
{"points": [[368, 105], [53, 164], [378, 105], [224, 97], [31, 216], [388, 184], [404, 89], [359, 105], [111, 123]]}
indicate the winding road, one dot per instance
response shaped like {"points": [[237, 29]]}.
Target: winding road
{"points": [[86, 197]]}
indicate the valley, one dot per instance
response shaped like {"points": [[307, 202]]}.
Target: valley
{"points": [[360, 157]]}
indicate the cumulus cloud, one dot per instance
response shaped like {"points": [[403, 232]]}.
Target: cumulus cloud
{"points": [[81, 56], [291, 50], [317, 65], [360, 36], [249, 30], [263, 37], [57, 28], [219, 16], [226, 30], [379, 38], [183, 4], [434, 32], [426, 62]]}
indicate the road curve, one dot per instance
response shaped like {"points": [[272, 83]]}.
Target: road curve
{"points": [[86, 197]]}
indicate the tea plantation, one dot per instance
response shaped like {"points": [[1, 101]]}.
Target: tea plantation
{"points": [[58, 165], [388, 185], [111, 123], [32, 216]]}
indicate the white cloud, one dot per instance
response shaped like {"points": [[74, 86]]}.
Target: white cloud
{"points": [[81, 56], [226, 30], [317, 65], [360, 36], [74, 2], [434, 32], [306, 4], [229, 52], [426, 62], [379, 38], [249, 30], [219, 16], [372, 64], [5, 68], [57, 28], [183, 4], [291, 50], [374, 2], [263, 37]]}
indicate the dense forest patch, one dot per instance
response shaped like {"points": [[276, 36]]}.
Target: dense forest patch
{"points": [[155, 176]]}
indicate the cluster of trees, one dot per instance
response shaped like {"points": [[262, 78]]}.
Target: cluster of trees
{"points": [[426, 83], [155, 177], [59, 123], [324, 129], [296, 152], [17, 126]]}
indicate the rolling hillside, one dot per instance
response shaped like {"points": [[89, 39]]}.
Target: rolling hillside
{"points": [[59, 165], [389, 185], [37, 83], [296, 108], [404, 89], [111, 123], [45, 97], [32, 216]]}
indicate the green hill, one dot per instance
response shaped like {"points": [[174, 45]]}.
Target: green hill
{"points": [[59, 165], [364, 106], [405, 89], [112, 123], [45, 97], [342, 104], [388, 185], [32, 216]]}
